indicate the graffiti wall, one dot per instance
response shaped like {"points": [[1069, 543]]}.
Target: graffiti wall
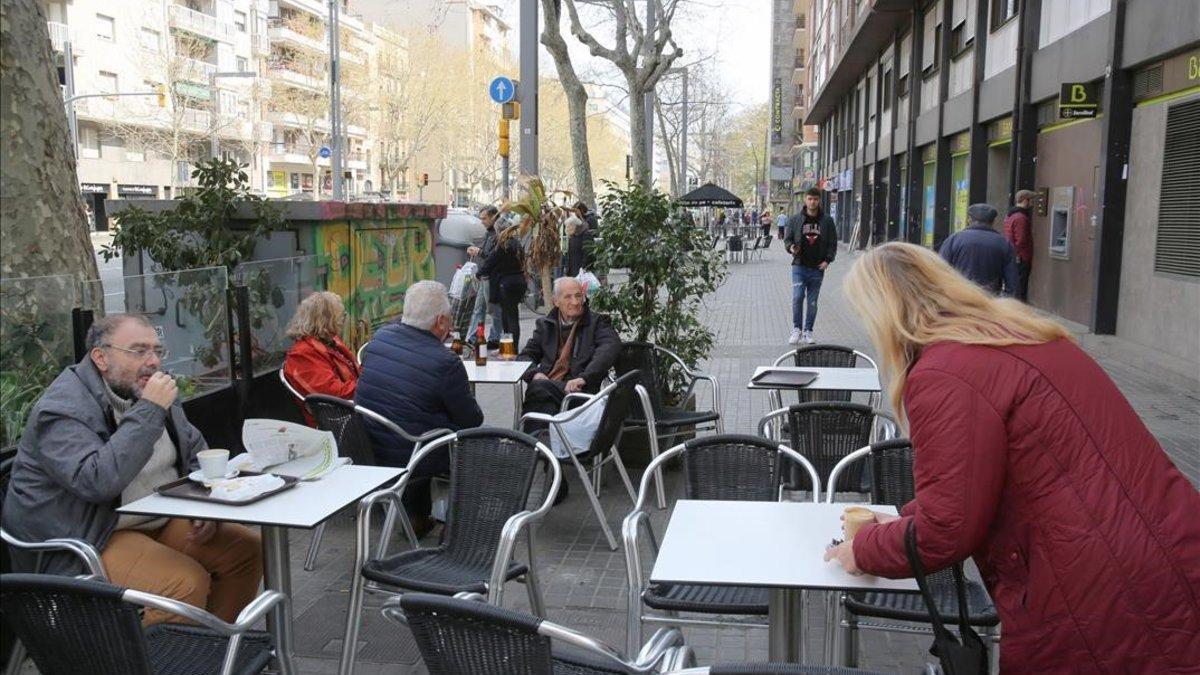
{"points": [[369, 254]]}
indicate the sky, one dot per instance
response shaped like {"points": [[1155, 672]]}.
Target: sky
{"points": [[736, 33]]}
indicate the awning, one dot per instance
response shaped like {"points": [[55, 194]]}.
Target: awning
{"points": [[710, 194]]}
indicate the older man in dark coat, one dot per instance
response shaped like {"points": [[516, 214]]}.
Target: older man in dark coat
{"points": [[981, 253]]}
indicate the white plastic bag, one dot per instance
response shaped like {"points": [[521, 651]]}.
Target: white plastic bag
{"points": [[579, 431], [456, 284], [591, 283]]}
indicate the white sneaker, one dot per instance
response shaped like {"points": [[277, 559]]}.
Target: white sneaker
{"points": [[795, 338], [808, 338]]}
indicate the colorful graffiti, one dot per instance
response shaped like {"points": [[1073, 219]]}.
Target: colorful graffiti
{"points": [[369, 254]]}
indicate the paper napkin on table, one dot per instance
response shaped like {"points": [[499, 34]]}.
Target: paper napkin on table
{"points": [[245, 488]]}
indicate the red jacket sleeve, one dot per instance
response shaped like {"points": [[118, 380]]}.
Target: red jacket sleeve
{"points": [[960, 446], [312, 373]]}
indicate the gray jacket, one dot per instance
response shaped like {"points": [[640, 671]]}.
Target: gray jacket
{"points": [[74, 461]]}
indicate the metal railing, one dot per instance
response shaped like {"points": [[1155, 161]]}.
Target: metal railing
{"points": [[59, 34], [200, 23]]}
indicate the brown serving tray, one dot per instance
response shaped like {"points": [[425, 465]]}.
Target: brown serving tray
{"points": [[186, 488]]}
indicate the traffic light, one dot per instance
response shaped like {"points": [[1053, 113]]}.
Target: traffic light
{"points": [[161, 95], [504, 138], [423, 180], [510, 110]]}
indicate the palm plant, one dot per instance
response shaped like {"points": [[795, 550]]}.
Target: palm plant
{"points": [[541, 221]]}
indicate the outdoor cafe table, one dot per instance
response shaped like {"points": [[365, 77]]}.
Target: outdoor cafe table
{"points": [[828, 379], [778, 545], [498, 371], [304, 506]]}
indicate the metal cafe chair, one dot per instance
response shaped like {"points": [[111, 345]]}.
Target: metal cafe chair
{"points": [[891, 463], [491, 476], [822, 356], [657, 418], [617, 399], [462, 636], [726, 467], [72, 625]]}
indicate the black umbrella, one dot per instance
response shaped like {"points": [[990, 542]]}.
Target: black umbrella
{"points": [[711, 195]]}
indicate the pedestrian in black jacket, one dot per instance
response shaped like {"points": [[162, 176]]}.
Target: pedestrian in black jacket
{"points": [[811, 237], [982, 254], [579, 245], [505, 272]]}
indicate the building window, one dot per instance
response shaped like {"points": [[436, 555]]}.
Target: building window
{"points": [[800, 94], [106, 27], [887, 90], [801, 21], [1178, 231], [106, 82], [902, 86], [89, 141], [239, 21], [151, 39], [242, 64], [1002, 11]]}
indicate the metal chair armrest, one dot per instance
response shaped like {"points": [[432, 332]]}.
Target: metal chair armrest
{"points": [[182, 609], [432, 434], [812, 472], [765, 421], [575, 395], [574, 638], [85, 551], [791, 354], [366, 506], [658, 647], [836, 472], [630, 539], [254, 611]]}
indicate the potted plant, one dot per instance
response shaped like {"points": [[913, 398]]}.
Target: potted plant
{"points": [[670, 267], [540, 223]]}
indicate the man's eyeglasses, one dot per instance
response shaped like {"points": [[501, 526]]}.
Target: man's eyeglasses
{"points": [[142, 353]]}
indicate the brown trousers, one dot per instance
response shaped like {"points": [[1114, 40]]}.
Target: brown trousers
{"points": [[221, 575]]}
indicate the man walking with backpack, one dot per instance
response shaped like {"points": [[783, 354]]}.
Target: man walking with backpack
{"points": [[811, 237]]}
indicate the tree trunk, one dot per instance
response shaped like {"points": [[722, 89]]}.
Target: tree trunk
{"points": [[669, 148], [43, 227], [637, 133], [576, 101]]}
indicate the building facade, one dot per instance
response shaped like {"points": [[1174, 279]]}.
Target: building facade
{"points": [[791, 144], [925, 107]]}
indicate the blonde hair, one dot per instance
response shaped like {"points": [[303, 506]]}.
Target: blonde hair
{"points": [[320, 315], [909, 298]]}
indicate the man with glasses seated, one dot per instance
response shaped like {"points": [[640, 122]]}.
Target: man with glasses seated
{"points": [[411, 378], [105, 433]]}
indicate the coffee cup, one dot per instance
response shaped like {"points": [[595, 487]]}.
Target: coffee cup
{"points": [[854, 518], [213, 463]]}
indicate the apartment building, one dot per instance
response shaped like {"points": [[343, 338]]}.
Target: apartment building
{"points": [[791, 144], [131, 146], [927, 106]]}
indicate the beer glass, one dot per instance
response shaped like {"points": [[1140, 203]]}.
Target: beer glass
{"points": [[508, 348]]}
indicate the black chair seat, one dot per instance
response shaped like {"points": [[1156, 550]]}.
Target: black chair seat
{"points": [[570, 660], [782, 669], [749, 600], [186, 650], [674, 417], [432, 570], [911, 607]]}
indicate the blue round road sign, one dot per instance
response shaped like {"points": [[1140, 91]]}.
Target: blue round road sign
{"points": [[325, 152], [502, 90]]}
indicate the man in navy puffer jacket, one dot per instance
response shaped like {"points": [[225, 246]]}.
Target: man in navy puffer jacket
{"points": [[412, 379]]}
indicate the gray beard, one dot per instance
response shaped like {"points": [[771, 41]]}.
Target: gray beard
{"points": [[124, 392]]}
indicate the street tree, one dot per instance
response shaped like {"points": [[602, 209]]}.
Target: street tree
{"points": [[576, 99], [641, 56], [43, 228], [408, 102]]}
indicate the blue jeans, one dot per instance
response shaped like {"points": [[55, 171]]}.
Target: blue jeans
{"points": [[806, 287], [482, 308]]}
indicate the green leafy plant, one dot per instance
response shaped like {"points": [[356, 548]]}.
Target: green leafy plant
{"points": [[671, 268], [199, 231]]}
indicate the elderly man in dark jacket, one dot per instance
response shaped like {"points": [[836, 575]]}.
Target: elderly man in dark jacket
{"points": [[412, 379], [982, 254], [572, 350], [105, 433]]}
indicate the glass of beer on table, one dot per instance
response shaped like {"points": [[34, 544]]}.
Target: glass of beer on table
{"points": [[508, 348]]}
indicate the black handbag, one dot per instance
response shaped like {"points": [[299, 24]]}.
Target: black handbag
{"points": [[966, 657]]}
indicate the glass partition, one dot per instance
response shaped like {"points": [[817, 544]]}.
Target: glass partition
{"points": [[36, 343], [188, 309], [276, 287]]}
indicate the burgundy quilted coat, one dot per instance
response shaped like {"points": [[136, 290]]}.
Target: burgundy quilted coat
{"points": [[1029, 460]]}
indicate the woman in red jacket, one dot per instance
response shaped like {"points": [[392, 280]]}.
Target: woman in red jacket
{"points": [[319, 362], [1030, 461]]}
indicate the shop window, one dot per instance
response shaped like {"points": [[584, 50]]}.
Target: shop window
{"points": [[1178, 237], [1062, 204]]}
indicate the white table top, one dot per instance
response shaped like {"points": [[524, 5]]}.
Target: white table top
{"points": [[828, 379], [496, 371], [774, 544], [303, 506]]}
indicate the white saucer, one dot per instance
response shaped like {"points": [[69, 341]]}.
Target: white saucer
{"points": [[199, 477]]}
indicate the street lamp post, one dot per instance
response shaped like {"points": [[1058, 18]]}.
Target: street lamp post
{"points": [[214, 140], [335, 99]]}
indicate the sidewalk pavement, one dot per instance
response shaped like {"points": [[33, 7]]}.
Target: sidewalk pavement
{"points": [[584, 582]]}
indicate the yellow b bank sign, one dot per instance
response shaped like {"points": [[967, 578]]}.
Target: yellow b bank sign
{"points": [[1078, 99]]}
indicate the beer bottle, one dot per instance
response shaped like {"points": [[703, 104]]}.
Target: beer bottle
{"points": [[480, 346]]}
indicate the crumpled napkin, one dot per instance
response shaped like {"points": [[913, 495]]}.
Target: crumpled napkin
{"points": [[245, 488]]}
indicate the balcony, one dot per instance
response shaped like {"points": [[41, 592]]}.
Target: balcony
{"points": [[194, 118], [314, 7], [290, 119], [283, 73], [196, 70], [204, 25], [288, 33]]}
